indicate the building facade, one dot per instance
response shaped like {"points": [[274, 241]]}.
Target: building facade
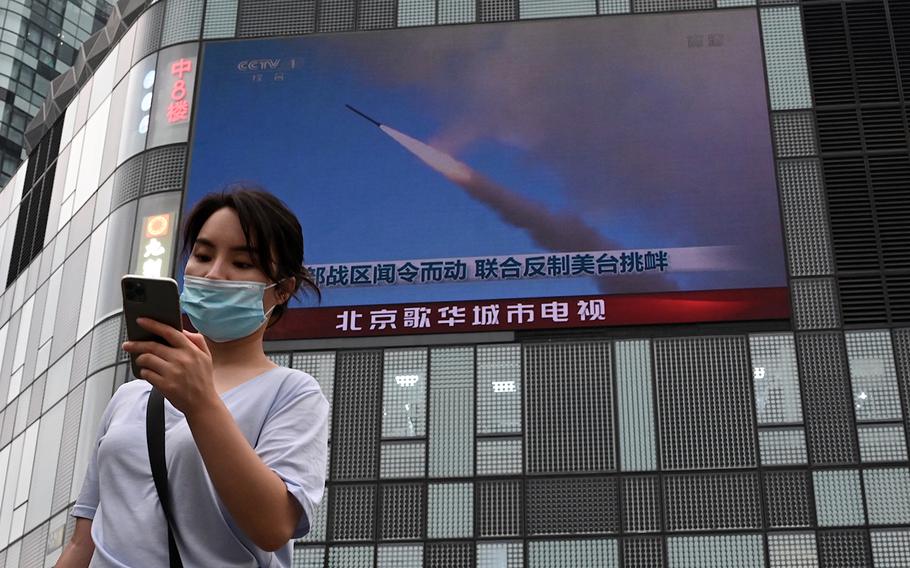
{"points": [[770, 443], [40, 40]]}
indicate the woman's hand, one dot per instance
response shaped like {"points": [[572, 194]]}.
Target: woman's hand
{"points": [[182, 370]]}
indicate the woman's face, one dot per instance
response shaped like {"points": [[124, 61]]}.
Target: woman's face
{"points": [[220, 251]]}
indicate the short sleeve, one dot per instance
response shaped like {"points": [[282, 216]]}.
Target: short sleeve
{"points": [[89, 495], [294, 444]]}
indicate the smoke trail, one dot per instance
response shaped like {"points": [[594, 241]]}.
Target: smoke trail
{"points": [[558, 232]]}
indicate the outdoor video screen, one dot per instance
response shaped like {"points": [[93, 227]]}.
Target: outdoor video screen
{"points": [[593, 170]]}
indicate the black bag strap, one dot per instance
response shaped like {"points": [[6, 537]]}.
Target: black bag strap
{"points": [[154, 433]]}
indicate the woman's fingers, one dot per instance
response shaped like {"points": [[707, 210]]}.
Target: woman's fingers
{"points": [[153, 363], [173, 336]]}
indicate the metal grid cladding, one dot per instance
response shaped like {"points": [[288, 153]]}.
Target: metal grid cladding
{"points": [[182, 21], [615, 6], [838, 498], [275, 17], [887, 495], [706, 410], [792, 550], [901, 339], [336, 15], [794, 134], [843, 549], [450, 512], [402, 511], [641, 6], [308, 557], [637, 443], [321, 366], [787, 499], [33, 547], [776, 379], [399, 556], [644, 552], [451, 412], [404, 394], [500, 555], [220, 19], [496, 10], [357, 399], [148, 31], [402, 459], [805, 218], [723, 501], [416, 13], [873, 376], [353, 512], [67, 457], [499, 508], [449, 555], [641, 504], [499, 387], [594, 553], [351, 557], [569, 506], [827, 399], [376, 14], [891, 548], [499, 456], [105, 344], [815, 303], [569, 407], [785, 58], [742, 551], [457, 11], [164, 169], [549, 9], [882, 443]]}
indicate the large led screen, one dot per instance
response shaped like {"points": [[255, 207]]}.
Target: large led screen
{"points": [[560, 173]]}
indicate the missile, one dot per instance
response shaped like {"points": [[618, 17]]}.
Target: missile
{"points": [[354, 110]]}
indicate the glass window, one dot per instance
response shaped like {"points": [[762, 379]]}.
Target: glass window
{"points": [[137, 108], [404, 393], [499, 389], [173, 99]]}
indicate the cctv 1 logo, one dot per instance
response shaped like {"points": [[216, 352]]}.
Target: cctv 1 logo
{"points": [[267, 65]]}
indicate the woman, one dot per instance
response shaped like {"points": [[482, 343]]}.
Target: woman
{"points": [[246, 440]]}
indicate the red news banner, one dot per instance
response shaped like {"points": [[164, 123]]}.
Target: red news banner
{"points": [[541, 313]]}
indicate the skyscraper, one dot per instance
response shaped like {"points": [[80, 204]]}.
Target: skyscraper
{"points": [[39, 40]]}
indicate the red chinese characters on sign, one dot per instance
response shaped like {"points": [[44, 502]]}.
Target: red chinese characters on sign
{"points": [[549, 313], [179, 108]]}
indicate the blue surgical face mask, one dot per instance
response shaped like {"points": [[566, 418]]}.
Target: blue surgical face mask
{"points": [[224, 310]]}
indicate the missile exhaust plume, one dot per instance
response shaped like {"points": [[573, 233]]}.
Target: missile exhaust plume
{"points": [[557, 232]]}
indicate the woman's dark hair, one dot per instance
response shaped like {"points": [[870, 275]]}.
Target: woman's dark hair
{"points": [[270, 229]]}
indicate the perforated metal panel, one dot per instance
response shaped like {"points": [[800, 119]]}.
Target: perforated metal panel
{"points": [[805, 219], [637, 444], [785, 58], [550, 9], [220, 19], [318, 523], [356, 431], [815, 303], [646, 552], [148, 31], [499, 508], [105, 344], [742, 551], [452, 412], [402, 511], [891, 548], [127, 181], [496, 10], [572, 506], [671, 5], [164, 169], [33, 547], [615, 6], [450, 512], [641, 504], [308, 557], [400, 556], [321, 366], [499, 456], [182, 21], [449, 555], [787, 499], [499, 388], [404, 393], [457, 11], [275, 17], [794, 134], [69, 304], [416, 12], [827, 400], [376, 14], [353, 509], [500, 555], [873, 376], [600, 553], [706, 410], [901, 341], [336, 15], [887, 496], [792, 550], [569, 408], [718, 501], [776, 379], [882, 443], [63, 480], [402, 459], [838, 498], [351, 557], [843, 549]]}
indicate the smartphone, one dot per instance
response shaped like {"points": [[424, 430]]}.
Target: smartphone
{"points": [[153, 298]]}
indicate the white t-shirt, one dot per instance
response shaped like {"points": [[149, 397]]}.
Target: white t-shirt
{"points": [[283, 415]]}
